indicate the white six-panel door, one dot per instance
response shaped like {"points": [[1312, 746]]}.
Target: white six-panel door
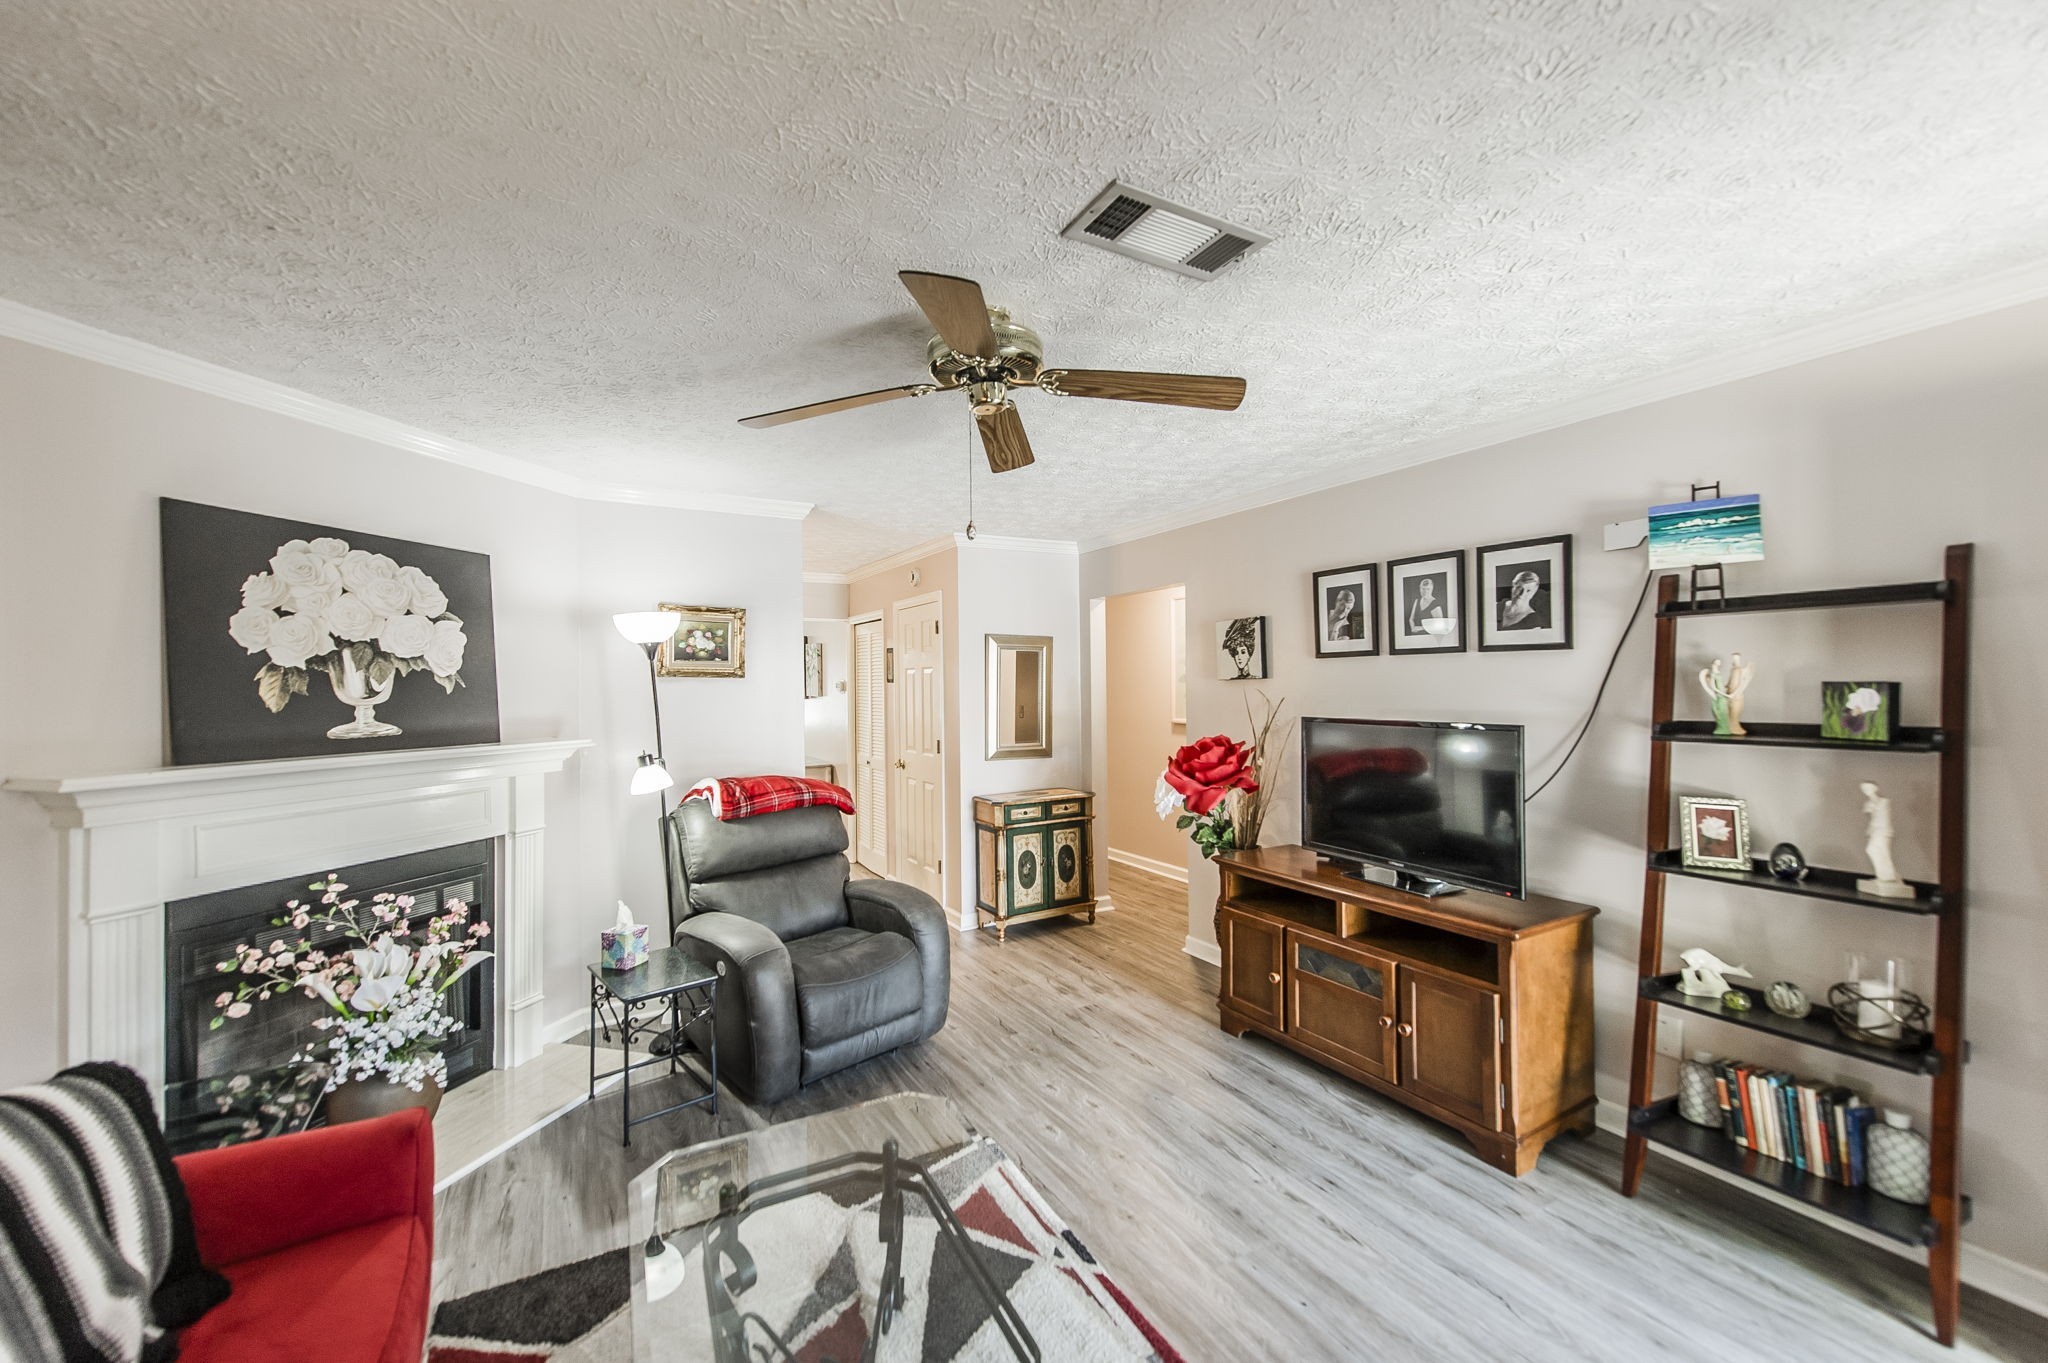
{"points": [[919, 762]]}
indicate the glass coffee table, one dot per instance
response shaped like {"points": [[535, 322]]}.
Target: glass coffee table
{"points": [[248, 1105], [837, 1236]]}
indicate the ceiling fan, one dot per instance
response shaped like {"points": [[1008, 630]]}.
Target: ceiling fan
{"points": [[979, 349]]}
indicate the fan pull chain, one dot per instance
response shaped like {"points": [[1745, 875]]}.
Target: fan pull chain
{"points": [[970, 473]]}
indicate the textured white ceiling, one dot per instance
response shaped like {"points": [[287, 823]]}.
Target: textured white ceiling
{"points": [[592, 235]]}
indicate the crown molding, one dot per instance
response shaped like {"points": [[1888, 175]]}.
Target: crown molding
{"points": [[2005, 289], [828, 579], [20, 322], [902, 558], [1016, 544]]}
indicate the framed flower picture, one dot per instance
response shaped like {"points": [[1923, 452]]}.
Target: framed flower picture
{"points": [[1714, 832], [1525, 595], [1426, 603], [1346, 603], [710, 641], [286, 638]]}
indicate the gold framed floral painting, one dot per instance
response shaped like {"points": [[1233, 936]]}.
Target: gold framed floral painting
{"points": [[710, 641]]}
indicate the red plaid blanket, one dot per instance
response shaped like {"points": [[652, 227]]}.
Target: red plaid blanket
{"points": [[742, 797]]}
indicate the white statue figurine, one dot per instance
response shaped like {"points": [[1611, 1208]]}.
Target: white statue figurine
{"points": [[1724, 685], [1877, 845], [1706, 975]]}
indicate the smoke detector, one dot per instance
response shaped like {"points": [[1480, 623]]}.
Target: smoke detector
{"points": [[1146, 227]]}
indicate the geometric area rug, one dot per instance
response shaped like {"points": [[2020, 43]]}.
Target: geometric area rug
{"points": [[1076, 1313]]}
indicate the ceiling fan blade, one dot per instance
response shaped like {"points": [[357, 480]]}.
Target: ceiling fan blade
{"points": [[1002, 436], [1174, 390], [809, 409], [956, 308]]}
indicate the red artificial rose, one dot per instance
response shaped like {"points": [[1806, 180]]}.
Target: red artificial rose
{"points": [[1207, 770]]}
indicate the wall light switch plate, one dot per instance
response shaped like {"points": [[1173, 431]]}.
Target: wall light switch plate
{"points": [[1670, 1035]]}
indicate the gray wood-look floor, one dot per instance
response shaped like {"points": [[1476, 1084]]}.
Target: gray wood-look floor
{"points": [[1257, 1207]]}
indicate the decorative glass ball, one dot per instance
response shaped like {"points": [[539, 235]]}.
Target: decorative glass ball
{"points": [[1788, 862], [1788, 1000], [1735, 1001]]}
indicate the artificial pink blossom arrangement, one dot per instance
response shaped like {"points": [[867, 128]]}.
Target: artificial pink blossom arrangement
{"points": [[385, 991]]}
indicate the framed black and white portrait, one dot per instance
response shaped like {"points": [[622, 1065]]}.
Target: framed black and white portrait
{"points": [[1241, 649], [1346, 602], [1525, 595], [1426, 603]]}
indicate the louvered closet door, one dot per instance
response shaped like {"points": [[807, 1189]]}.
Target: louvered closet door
{"points": [[870, 748]]}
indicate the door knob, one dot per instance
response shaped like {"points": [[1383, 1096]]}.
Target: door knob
{"points": [[1274, 977], [1385, 1022], [1406, 1029], [899, 764]]}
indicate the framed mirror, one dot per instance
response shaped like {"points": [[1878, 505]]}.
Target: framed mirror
{"points": [[1019, 681]]}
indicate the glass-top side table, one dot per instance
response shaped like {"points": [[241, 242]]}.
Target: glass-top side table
{"points": [[834, 1231], [249, 1105], [674, 981]]}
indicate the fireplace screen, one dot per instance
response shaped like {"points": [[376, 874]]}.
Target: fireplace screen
{"points": [[202, 932]]}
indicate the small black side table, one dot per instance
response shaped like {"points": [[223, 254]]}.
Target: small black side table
{"points": [[668, 976]]}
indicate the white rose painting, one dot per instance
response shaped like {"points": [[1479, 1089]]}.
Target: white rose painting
{"points": [[345, 631]]}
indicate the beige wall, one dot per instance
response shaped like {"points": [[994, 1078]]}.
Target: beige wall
{"points": [[85, 452], [1141, 732], [1868, 462]]}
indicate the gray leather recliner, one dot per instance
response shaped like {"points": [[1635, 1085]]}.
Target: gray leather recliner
{"points": [[816, 971]]}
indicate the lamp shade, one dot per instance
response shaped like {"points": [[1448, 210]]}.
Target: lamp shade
{"points": [[648, 627], [651, 775], [1439, 626]]}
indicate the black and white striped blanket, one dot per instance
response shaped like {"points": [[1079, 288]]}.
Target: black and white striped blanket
{"points": [[98, 1260]]}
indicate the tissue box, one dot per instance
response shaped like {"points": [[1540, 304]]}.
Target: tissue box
{"points": [[624, 950]]}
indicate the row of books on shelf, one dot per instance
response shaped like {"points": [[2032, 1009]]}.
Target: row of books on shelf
{"points": [[1819, 1128]]}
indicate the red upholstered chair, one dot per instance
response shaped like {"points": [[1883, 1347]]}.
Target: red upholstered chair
{"points": [[328, 1238]]}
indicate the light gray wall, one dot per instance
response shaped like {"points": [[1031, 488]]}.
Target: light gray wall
{"points": [[1869, 462], [86, 450]]}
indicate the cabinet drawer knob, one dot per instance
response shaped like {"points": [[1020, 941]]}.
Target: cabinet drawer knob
{"points": [[1405, 1029], [1274, 977], [1385, 1021]]}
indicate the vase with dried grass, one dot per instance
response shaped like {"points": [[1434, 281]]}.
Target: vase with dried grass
{"points": [[1212, 788]]}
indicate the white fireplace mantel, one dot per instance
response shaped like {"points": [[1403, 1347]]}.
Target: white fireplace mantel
{"points": [[135, 842]]}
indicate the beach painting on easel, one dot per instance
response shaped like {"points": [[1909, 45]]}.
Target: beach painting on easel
{"points": [[1718, 530]]}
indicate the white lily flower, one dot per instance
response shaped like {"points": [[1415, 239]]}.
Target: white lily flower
{"points": [[1167, 801], [1864, 700]]}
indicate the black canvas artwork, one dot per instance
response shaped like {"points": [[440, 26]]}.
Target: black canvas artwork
{"points": [[288, 639]]}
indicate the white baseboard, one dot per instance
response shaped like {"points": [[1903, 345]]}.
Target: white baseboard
{"points": [[562, 1028], [1157, 868], [2004, 1278], [1203, 951], [1103, 904]]}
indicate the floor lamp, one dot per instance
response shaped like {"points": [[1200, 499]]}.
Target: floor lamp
{"points": [[650, 630]]}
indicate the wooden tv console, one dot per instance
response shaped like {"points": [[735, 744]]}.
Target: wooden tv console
{"points": [[1473, 1008]]}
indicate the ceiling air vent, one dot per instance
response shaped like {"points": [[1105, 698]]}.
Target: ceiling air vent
{"points": [[1146, 227]]}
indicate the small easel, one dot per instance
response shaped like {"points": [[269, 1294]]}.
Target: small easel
{"points": [[1701, 583]]}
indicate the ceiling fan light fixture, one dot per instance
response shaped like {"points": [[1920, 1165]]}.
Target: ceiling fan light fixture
{"points": [[989, 397]]}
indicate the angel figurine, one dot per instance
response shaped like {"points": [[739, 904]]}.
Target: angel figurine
{"points": [[1706, 975], [1724, 685]]}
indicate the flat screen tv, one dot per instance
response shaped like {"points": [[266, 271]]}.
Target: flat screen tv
{"points": [[1440, 805]]}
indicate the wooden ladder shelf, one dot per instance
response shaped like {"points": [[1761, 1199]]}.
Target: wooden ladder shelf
{"points": [[1937, 1227]]}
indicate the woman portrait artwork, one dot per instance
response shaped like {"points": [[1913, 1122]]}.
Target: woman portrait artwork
{"points": [[1241, 648], [1344, 606]]}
